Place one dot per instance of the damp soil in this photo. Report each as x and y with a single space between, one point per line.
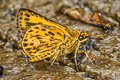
105 54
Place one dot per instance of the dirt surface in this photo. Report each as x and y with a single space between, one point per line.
105 54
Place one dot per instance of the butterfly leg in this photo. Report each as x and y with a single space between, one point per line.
75 55
87 55
54 57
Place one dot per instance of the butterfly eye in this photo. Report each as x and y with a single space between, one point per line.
80 37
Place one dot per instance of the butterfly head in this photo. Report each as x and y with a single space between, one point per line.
85 39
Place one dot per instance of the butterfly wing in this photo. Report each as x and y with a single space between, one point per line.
41 42
27 18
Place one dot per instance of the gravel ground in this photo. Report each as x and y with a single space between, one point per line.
106 46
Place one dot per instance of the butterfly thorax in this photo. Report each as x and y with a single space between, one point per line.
76 37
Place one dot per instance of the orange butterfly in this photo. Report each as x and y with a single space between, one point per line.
43 38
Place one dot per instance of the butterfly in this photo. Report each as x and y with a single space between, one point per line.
43 38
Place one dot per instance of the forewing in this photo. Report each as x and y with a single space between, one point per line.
27 18
42 41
